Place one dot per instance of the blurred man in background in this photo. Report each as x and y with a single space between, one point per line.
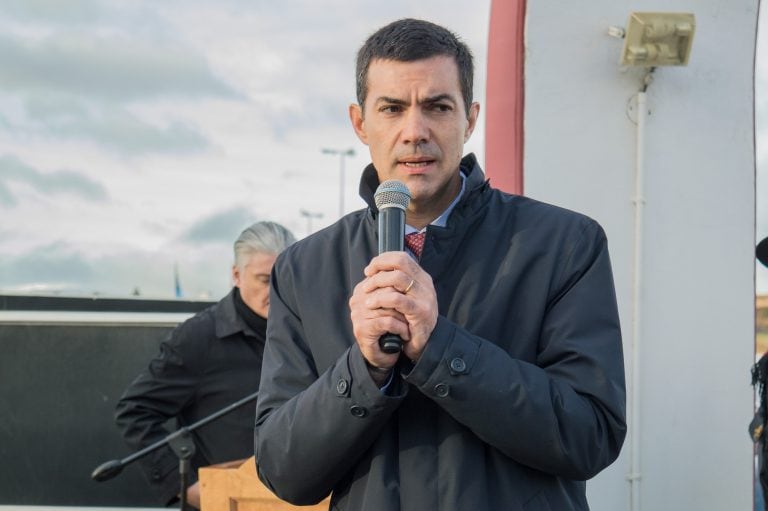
208 362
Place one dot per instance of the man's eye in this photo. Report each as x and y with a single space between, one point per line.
440 107
391 109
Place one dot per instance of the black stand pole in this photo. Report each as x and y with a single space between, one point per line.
182 444
179 441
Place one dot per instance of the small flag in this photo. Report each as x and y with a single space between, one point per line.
176 280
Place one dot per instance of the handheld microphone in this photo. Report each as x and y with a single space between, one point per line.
392 198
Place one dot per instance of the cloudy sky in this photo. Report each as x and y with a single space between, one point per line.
138 136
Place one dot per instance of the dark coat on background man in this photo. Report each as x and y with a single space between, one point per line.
208 362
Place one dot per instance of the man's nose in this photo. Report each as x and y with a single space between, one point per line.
415 128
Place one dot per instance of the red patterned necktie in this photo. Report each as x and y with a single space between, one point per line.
415 242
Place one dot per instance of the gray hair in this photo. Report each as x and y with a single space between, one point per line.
261 237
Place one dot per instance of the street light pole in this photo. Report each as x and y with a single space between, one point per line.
342 153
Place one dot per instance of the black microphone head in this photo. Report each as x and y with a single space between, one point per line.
762 251
107 470
392 193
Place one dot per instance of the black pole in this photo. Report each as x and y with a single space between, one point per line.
182 444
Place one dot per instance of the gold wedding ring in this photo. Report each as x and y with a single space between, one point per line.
409 287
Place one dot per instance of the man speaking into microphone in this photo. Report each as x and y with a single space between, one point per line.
508 389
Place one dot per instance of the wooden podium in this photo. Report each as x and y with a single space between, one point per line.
239 489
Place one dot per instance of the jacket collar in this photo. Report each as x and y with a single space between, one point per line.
228 322
476 182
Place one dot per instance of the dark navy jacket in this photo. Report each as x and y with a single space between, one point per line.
517 399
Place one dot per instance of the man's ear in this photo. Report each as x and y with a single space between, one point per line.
474 112
358 122
235 275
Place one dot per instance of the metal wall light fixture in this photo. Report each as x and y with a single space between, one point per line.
656 39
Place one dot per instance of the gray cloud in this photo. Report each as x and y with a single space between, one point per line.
71 11
107 68
61 269
75 86
6 197
65 117
55 107
4 123
51 265
58 182
221 227
331 113
129 135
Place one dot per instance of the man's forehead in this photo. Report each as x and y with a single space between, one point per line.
435 76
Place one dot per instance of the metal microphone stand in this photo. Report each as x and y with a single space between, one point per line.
181 444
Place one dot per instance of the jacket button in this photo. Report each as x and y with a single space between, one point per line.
341 387
156 474
358 411
458 365
441 389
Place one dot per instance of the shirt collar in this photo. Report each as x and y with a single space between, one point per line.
442 220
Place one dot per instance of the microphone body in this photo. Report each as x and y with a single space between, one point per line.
391 230
392 198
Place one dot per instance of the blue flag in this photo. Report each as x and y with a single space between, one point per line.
176 280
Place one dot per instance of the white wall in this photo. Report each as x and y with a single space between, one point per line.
696 342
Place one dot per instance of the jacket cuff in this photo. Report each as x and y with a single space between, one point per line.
363 386
450 353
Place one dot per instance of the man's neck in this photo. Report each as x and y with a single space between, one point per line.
417 221
420 217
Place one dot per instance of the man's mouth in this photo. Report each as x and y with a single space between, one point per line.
417 163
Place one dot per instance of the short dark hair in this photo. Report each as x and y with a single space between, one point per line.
407 40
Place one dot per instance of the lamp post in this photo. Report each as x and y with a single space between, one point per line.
342 153
309 216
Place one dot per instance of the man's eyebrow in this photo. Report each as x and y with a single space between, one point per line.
426 101
438 99
391 101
